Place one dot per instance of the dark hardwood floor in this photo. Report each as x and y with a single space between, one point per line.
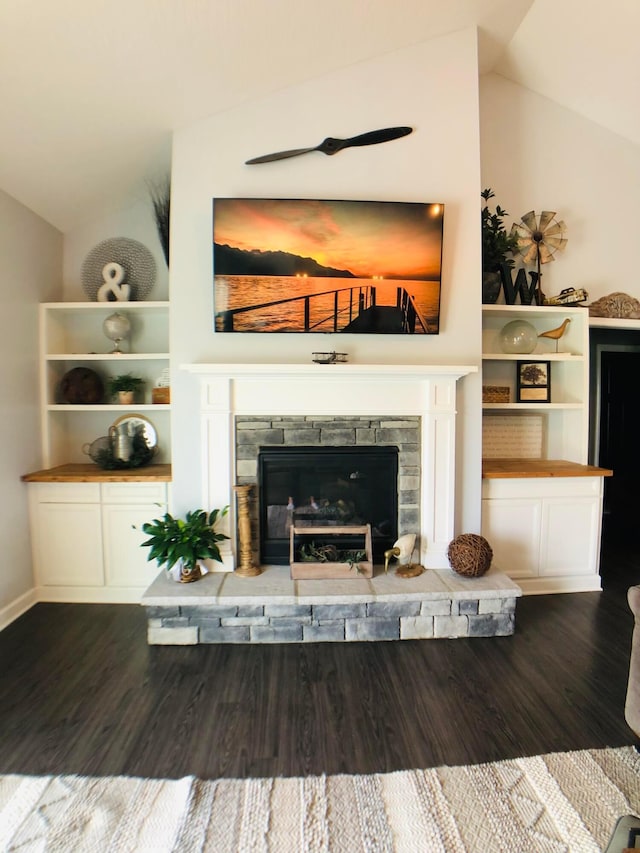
83 693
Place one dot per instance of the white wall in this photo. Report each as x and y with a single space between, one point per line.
431 86
538 156
31 252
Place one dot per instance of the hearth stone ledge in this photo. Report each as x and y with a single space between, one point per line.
272 608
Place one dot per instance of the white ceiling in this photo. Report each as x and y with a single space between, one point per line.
91 91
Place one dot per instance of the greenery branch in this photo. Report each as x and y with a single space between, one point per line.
160 192
312 553
497 242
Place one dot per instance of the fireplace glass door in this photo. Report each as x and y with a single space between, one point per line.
326 486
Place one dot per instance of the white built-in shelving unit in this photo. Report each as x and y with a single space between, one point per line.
566 417
543 523
71 335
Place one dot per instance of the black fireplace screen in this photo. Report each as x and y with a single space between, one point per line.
332 486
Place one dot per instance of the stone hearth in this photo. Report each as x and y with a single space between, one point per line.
272 608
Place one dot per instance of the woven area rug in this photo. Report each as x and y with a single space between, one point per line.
558 802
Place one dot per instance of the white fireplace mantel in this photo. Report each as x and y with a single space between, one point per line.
322 390
344 368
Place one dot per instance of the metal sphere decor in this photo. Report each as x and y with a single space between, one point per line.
470 555
137 262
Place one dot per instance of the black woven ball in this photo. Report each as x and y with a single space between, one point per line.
470 555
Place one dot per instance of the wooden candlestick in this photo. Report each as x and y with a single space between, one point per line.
246 569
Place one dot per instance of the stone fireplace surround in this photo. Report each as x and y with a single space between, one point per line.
272 608
293 431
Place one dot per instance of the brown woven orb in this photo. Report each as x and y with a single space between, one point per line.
81 385
470 555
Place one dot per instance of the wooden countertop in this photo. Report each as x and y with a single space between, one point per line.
512 468
87 472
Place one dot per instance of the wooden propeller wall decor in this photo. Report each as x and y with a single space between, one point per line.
332 146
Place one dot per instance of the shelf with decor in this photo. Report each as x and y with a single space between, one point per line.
73 336
555 427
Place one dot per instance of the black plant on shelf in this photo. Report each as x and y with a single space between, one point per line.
497 242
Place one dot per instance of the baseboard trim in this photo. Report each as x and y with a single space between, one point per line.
16 608
89 594
552 586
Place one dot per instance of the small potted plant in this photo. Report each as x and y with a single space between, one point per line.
497 245
124 387
185 541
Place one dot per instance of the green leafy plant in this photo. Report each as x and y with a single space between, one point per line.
497 242
188 539
124 382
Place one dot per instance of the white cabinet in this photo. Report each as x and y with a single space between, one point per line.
545 533
570 536
86 539
66 533
512 527
125 508
541 503
71 335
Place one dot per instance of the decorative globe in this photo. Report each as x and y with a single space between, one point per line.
116 327
518 336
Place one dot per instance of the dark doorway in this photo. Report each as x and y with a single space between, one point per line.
615 442
326 486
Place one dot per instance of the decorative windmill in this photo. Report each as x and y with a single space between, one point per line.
539 239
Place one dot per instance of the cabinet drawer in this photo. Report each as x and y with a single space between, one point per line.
540 487
134 493
75 493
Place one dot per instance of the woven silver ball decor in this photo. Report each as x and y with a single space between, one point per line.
137 261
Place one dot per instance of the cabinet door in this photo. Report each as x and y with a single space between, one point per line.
512 528
67 544
570 536
125 560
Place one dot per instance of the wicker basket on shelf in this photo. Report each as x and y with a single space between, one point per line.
495 393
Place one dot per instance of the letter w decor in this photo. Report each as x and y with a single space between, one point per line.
528 293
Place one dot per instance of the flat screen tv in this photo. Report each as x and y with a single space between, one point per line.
302 265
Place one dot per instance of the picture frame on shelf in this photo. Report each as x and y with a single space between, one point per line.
533 382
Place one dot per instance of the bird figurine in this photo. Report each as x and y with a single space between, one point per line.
557 333
403 549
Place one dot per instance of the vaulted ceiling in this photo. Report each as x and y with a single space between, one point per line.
91 91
